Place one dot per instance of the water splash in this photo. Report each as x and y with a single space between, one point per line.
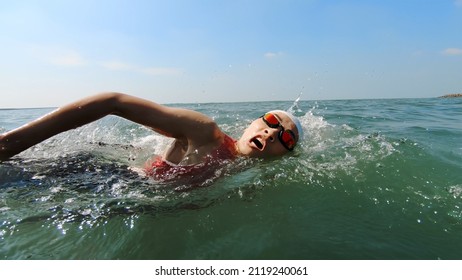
294 109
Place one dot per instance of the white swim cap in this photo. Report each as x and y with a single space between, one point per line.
295 120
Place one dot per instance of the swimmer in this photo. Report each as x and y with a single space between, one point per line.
196 136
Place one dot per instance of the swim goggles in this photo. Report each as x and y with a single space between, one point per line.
285 136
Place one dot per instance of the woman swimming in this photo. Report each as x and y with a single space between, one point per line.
197 138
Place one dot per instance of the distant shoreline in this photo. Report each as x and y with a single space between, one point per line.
451 95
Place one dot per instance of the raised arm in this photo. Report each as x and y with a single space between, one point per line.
175 122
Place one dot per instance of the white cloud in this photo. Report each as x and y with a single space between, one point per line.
458 3
56 55
68 58
270 55
452 51
61 56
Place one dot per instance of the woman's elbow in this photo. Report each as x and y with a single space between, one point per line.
111 100
110 96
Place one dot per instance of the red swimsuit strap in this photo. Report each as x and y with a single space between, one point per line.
160 169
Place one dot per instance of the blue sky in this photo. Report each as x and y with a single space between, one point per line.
53 52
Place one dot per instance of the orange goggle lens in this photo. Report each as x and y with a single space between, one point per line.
286 137
271 120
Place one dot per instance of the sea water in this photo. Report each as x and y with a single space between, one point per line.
373 179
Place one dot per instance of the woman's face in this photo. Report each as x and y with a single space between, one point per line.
260 140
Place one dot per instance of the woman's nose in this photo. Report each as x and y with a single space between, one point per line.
271 134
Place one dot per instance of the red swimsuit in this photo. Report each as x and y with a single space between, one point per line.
162 170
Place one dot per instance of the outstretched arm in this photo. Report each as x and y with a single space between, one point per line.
182 124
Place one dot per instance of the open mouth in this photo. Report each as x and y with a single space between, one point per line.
257 143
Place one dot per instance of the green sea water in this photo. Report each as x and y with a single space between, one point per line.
373 179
